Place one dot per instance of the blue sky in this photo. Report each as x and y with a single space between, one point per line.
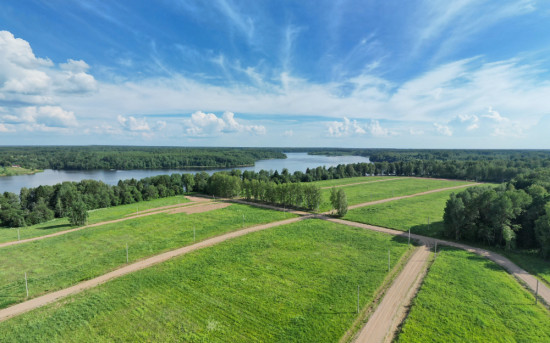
403 74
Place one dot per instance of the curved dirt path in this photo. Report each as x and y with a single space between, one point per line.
20 308
381 201
389 313
156 210
527 279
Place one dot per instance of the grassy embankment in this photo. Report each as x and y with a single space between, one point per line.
95 216
358 194
467 298
59 262
295 283
13 171
413 214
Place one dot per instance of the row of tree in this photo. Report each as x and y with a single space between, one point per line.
73 199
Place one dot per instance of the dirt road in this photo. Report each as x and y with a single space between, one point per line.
519 273
390 312
54 296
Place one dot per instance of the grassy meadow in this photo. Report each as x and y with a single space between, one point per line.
350 180
413 214
358 194
467 298
59 262
405 214
95 216
294 283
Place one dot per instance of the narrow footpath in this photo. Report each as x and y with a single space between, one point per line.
146 263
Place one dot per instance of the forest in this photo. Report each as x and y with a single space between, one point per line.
131 157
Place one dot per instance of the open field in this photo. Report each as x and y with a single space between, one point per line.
95 216
294 283
351 180
413 214
358 194
466 298
405 214
59 262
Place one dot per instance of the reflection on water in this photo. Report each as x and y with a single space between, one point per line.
293 162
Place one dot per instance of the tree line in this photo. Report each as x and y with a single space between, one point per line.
514 214
124 158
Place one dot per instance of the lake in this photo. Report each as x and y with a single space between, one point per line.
293 162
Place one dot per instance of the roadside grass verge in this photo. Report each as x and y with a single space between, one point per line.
382 190
95 216
293 283
62 261
467 298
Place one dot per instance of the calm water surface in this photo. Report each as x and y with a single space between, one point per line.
293 162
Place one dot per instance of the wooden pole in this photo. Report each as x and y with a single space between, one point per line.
537 293
26 285
126 252
357 298
389 263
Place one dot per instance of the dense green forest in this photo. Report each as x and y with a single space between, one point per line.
123 158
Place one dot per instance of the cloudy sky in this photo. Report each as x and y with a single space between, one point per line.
373 73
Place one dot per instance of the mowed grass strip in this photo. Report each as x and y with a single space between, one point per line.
467 298
358 194
62 261
95 216
294 283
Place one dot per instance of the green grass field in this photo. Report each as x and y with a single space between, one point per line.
95 216
347 181
59 262
467 298
382 190
295 283
413 214
405 214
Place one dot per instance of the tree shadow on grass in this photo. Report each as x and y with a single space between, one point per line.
434 229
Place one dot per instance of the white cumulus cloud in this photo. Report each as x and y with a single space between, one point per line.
344 128
208 124
443 129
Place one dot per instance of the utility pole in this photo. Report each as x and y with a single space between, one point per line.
389 263
537 293
26 285
357 298
18 235
409 236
